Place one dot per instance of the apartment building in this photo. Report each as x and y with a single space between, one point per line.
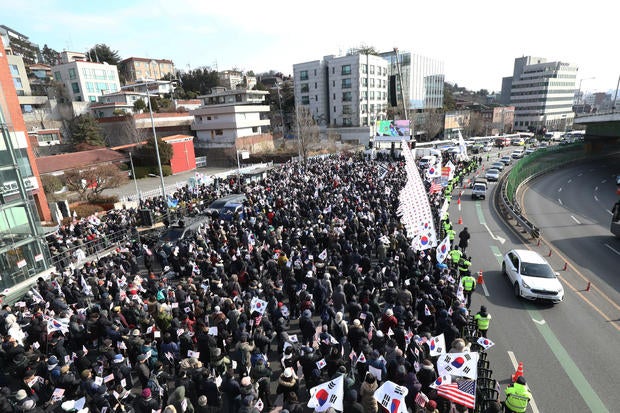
344 91
20 45
227 115
86 81
136 68
542 93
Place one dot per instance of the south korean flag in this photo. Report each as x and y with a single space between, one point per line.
437 345
392 397
326 395
458 364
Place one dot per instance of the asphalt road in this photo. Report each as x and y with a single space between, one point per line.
566 349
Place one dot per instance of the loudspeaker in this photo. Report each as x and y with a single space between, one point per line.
146 216
392 90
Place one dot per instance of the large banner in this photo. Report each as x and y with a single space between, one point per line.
393 128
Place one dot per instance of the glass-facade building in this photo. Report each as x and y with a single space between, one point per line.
23 252
422 80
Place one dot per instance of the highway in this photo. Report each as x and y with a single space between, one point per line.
566 349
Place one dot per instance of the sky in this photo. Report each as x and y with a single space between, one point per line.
477 40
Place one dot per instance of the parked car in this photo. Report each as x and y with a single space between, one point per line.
492 174
227 207
529 151
507 160
531 276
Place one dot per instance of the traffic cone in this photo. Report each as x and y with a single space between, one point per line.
480 278
460 220
518 373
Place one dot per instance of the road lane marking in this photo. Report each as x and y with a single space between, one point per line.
576 220
612 248
539 322
515 364
570 180
560 201
580 173
560 189
596 188
603 181
581 294
595 198
568 365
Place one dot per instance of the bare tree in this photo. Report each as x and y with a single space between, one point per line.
308 132
90 183
433 123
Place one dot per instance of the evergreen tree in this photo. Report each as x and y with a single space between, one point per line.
85 130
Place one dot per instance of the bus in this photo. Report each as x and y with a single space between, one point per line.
615 220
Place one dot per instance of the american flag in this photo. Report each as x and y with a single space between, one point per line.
421 399
435 187
462 392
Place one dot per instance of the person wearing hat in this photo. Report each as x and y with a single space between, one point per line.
53 369
517 396
146 403
287 384
24 402
68 381
307 327
142 369
482 319
356 334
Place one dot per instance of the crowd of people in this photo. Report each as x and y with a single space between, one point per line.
249 311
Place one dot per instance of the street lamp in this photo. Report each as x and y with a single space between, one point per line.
161 175
133 174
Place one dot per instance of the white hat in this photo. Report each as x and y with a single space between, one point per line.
288 372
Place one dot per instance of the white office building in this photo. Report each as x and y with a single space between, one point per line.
542 93
87 81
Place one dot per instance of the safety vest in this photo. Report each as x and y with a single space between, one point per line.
452 234
464 264
517 397
483 322
468 283
455 256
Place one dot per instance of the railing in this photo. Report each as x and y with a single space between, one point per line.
92 249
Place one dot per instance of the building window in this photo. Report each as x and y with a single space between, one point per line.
314 72
305 100
364 95
316 86
346 70
346 83
75 87
14 70
303 75
347 97
372 82
18 83
219 132
346 122
305 88
316 98
254 129
372 69
346 109
364 82
57 76
364 69
372 95
72 75
92 98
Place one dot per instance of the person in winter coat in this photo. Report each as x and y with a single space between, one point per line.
179 401
339 327
367 391
145 403
426 375
307 327
287 383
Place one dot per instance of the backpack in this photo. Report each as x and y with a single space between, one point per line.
154 385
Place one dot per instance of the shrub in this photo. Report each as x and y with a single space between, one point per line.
86 210
105 199
141 171
51 184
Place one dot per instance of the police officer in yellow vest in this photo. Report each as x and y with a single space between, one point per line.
482 319
451 233
468 282
455 256
517 396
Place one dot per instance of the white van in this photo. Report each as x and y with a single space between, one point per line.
427 161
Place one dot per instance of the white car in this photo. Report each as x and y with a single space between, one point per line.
531 276
492 174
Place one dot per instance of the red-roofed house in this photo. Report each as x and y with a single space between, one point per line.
57 164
